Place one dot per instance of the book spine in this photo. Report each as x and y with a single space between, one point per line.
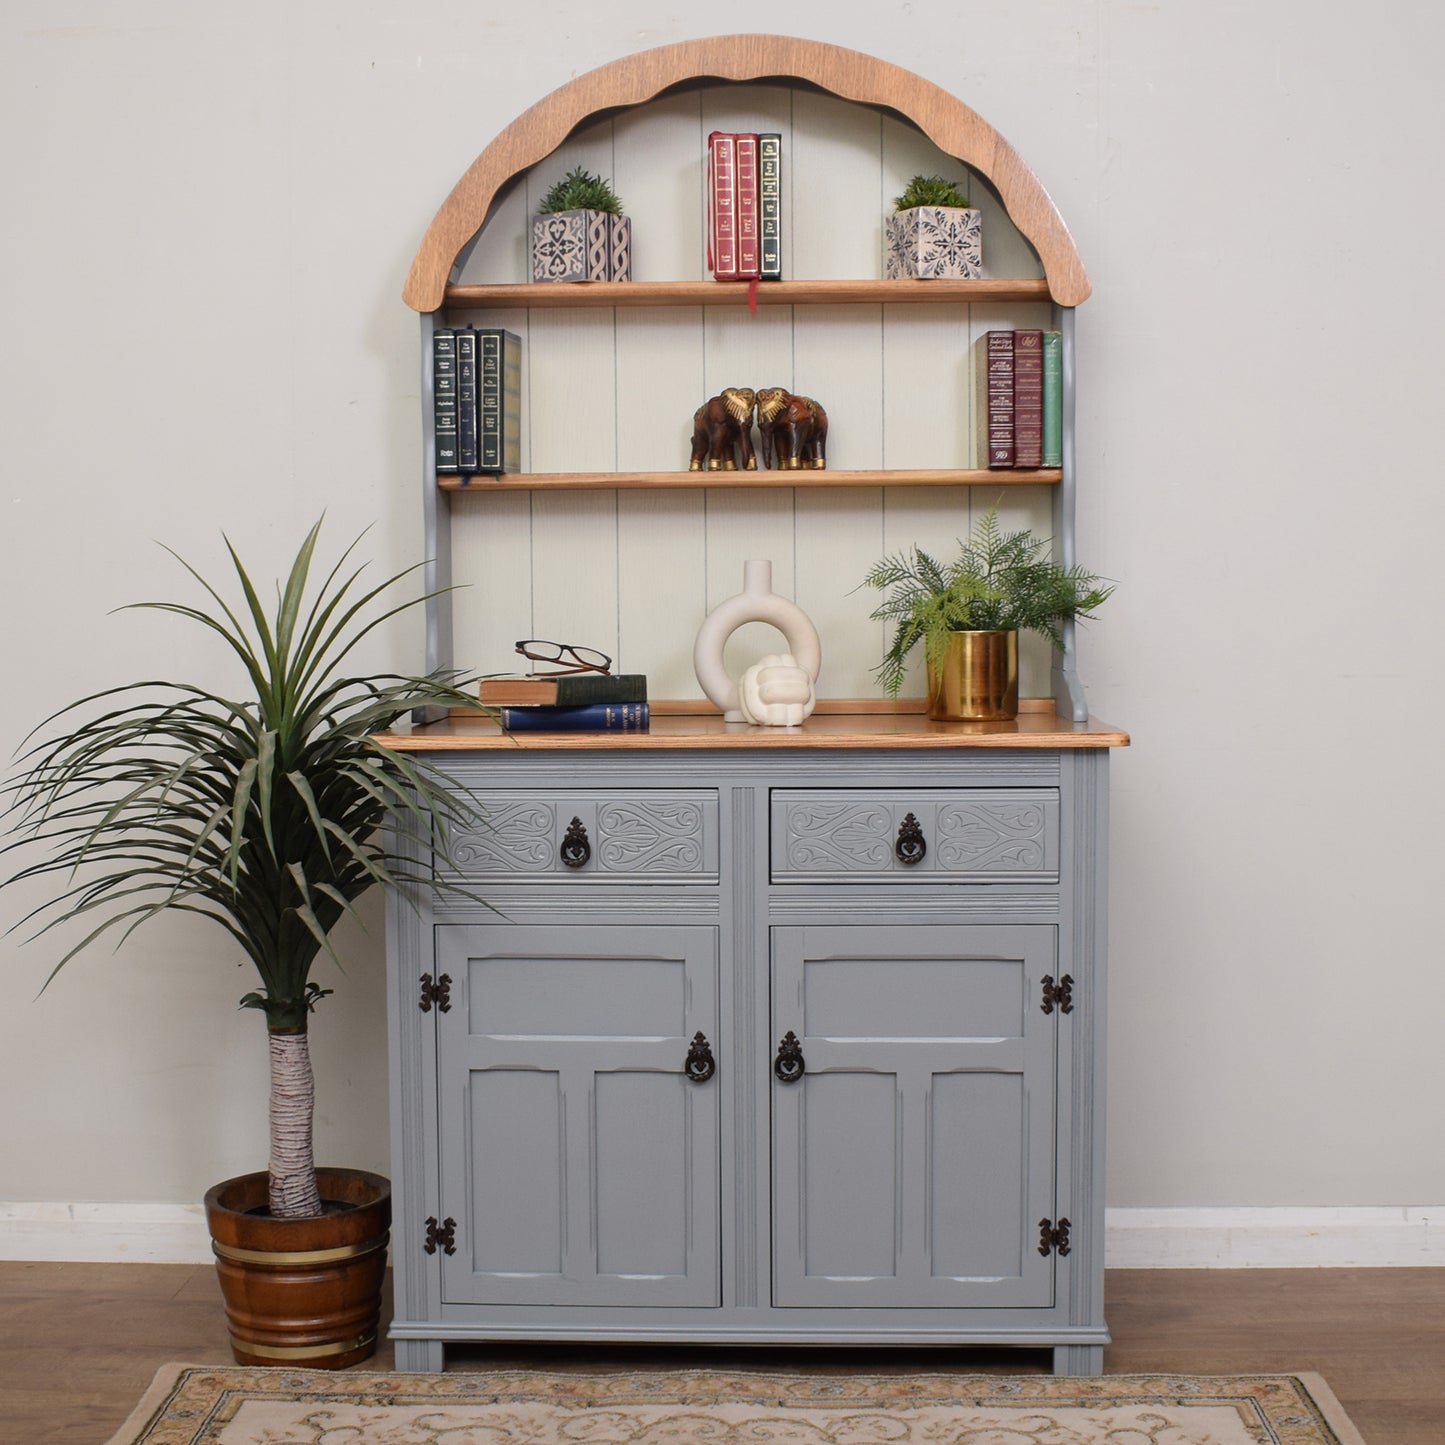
1053 445
1000 363
1028 399
770 207
580 688
444 392
747 206
489 387
467 416
598 717
511 402
722 239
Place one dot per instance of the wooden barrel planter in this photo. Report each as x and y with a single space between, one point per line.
302 1291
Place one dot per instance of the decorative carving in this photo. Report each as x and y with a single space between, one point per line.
700 1065
649 837
839 836
514 838
999 837
575 850
789 1065
722 431
910 847
793 430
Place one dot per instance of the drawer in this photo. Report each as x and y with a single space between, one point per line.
651 835
836 835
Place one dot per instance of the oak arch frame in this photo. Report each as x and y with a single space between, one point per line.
850 75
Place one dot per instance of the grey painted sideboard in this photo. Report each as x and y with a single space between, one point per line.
764 1036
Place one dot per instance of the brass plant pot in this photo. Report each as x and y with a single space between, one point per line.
977 679
303 1292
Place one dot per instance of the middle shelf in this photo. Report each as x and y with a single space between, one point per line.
598 481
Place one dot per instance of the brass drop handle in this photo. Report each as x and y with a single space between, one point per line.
910 847
575 849
700 1065
789 1065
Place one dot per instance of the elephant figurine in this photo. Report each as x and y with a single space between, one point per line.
793 429
722 429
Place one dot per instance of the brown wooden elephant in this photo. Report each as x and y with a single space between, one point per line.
793 430
722 431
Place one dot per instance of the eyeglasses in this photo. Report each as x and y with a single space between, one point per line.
570 658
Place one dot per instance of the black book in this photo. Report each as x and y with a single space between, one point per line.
770 206
499 389
467 413
444 390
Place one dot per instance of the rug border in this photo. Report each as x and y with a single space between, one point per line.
168 1377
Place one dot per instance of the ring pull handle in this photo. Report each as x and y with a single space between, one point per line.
789 1065
575 849
700 1065
910 847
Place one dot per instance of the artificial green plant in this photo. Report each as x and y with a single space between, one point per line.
930 191
580 190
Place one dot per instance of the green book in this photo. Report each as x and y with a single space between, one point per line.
1053 399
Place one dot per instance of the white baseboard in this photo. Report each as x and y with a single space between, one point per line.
1134 1238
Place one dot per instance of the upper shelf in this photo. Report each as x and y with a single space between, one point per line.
848 74
735 293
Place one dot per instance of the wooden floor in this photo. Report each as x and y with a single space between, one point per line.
79 1343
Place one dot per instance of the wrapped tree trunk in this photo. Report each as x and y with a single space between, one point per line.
293 1190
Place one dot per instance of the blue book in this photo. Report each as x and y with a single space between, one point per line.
594 717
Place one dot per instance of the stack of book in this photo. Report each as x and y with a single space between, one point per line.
478 388
1021 375
569 702
745 206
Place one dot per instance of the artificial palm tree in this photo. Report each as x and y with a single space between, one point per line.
263 813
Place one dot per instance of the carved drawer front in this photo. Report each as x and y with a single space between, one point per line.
927 835
656 835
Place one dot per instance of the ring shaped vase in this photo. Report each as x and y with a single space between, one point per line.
757 602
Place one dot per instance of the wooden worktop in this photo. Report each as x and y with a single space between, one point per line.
669 731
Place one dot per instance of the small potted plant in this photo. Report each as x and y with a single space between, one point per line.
968 614
580 233
260 808
932 233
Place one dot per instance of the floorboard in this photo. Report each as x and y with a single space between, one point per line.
80 1342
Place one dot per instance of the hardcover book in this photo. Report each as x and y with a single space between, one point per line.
1053 447
573 689
745 206
722 234
466 399
770 207
1028 399
499 386
999 378
444 389
597 717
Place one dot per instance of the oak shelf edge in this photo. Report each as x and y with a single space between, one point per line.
609 481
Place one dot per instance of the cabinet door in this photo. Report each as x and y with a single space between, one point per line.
914 1158
579 1160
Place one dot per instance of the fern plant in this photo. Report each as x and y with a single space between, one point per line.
929 191
999 582
580 190
260 810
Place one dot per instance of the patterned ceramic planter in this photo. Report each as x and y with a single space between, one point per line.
581 246
928 242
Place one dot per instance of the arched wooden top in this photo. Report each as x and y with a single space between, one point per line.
848 74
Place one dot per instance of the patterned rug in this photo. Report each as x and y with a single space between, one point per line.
190 1405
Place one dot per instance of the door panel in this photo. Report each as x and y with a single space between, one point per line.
913 1160
580 1163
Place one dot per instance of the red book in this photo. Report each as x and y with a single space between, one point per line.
999 358
722 232
1028 398
746 207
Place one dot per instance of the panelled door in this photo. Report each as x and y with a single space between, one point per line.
578 1114
913 1115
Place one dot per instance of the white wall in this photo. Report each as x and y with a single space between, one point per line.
208 217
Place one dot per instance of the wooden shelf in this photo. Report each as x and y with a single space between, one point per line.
602 481
735 293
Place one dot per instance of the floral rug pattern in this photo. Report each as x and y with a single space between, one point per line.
190 1405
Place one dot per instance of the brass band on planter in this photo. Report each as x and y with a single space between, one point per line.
297 1352
297 1256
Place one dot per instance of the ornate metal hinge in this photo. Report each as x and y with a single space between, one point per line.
443 1235
438 993
1053 1236
1060 994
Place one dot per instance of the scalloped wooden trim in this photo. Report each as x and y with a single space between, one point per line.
848 74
